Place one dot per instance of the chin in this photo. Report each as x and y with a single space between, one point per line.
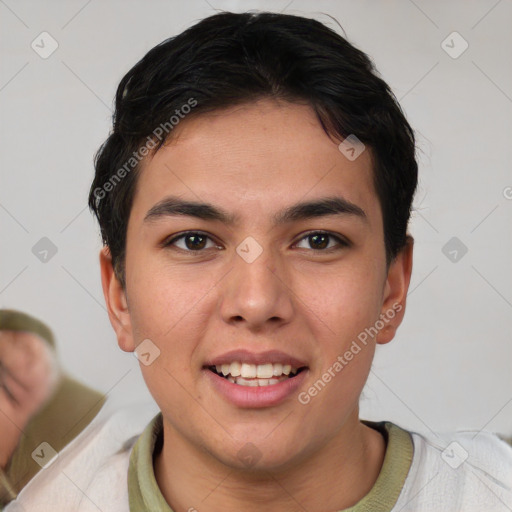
254 457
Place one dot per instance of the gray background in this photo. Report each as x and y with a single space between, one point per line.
450 365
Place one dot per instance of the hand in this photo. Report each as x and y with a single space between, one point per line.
28 377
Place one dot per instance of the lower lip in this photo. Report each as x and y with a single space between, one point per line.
256 396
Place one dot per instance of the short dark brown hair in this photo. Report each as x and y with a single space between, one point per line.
229 59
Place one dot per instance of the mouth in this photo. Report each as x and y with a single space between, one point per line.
256 375
250 380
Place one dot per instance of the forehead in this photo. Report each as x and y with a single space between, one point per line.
23 338
258 156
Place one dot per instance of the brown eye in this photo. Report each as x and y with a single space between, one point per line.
195 242
191 241
319 240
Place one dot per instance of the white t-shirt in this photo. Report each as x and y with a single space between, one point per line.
460 472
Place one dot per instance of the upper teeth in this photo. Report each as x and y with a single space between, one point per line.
251 371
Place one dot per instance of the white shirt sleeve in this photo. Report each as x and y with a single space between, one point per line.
466 472
71 483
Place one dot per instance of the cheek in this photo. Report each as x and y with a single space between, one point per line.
165 298
170 307
333 394
342 303
341 307
336 384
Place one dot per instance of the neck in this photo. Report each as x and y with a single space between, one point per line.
335 477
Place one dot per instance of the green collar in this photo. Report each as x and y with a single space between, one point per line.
145 496
143 491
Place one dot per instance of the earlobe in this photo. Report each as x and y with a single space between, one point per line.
395 292
115 300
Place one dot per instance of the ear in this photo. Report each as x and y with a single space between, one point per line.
117 305
395 292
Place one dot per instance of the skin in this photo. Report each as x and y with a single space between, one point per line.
28 377
253 161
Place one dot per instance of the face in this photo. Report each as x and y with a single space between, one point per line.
283 265
29 374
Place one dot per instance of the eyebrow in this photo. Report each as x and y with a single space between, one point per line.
175 206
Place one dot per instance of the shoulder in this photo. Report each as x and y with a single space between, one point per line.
108 489
470 471
70 481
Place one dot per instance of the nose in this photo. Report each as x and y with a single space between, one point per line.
257 293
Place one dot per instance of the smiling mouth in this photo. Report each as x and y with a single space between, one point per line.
252 375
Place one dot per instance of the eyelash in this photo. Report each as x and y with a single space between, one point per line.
342 243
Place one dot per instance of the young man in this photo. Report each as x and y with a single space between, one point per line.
253 199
